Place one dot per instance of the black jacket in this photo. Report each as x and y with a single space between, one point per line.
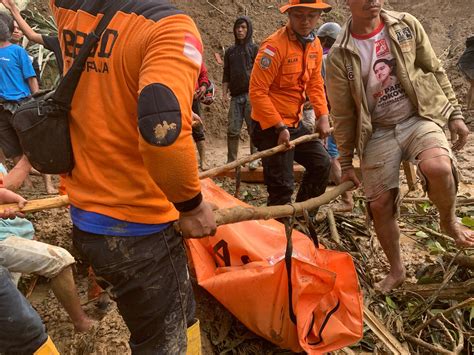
238 61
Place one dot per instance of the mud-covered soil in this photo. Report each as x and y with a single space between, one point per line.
447 23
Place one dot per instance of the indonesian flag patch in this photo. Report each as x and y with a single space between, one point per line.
270 51
193 49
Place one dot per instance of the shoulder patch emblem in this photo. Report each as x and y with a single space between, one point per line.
265 62
404 34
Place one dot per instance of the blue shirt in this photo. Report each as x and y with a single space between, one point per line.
15 70
97 223
19 227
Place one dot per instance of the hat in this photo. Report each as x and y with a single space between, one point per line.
313 4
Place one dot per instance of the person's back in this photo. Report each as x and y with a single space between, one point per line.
110 176
136 170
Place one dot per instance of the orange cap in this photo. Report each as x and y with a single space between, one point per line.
313 4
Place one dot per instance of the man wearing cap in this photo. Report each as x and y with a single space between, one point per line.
287 68
394 122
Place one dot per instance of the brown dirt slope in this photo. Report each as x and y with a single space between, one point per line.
447 23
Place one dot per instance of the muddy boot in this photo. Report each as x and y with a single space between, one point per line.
47 348
194 339
201 146
232 149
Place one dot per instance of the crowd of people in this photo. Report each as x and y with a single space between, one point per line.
377 80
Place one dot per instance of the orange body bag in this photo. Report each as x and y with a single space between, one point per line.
246 267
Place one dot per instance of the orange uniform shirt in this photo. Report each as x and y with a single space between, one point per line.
283 74
131 113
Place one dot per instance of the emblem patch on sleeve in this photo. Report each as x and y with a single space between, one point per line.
265 62
159 115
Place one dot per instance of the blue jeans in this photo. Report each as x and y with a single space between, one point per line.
240 111
21 328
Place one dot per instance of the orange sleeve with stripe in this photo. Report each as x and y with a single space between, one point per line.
315 88
171 62
264 73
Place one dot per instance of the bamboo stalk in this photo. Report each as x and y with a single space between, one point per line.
38 205
223 216
263 154
383 333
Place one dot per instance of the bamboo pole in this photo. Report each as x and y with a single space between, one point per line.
37 205
263 154
223 216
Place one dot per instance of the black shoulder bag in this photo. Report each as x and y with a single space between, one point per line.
42 124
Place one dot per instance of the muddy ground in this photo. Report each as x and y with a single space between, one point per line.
447 23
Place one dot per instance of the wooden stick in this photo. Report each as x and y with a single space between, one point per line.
333 227
258 155
223 216
453 291
38 205
465 304
383 333
461 260
239 214
424 344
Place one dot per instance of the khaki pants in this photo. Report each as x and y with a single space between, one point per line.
389 146
25 256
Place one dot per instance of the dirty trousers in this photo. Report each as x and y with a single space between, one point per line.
148 278
21 329
278 168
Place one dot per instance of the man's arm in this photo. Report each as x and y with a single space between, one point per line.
342 110
317 96
427 60
165 119
31 34
7 196
225 91
203 82
264 72
15 177
33 84
226 77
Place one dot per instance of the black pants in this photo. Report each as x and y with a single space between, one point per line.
148 277
9 141
198 131
278 169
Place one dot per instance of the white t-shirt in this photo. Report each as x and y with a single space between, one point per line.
387 100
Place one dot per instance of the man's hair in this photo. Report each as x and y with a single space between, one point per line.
239 22
392 63
8 20
4 32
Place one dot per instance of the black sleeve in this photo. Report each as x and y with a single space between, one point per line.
52 43
254 52
226 75
37 70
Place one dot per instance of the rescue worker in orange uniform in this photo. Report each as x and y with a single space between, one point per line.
287 68
135 170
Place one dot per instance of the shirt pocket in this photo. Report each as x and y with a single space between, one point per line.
289 75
